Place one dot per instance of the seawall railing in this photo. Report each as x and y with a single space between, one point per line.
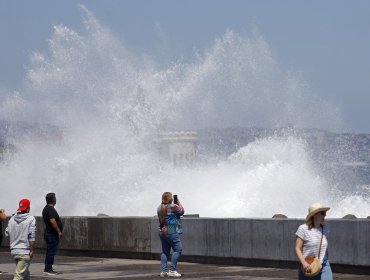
250 242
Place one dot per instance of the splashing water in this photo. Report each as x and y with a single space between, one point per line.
107 101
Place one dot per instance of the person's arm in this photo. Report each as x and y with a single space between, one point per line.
54 225
32 236
178 209
2 215
6 232
298 251
32 246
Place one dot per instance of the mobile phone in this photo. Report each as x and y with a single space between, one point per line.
175 199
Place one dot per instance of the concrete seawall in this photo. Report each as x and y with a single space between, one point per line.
255 242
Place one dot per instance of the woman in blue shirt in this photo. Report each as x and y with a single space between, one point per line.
169 232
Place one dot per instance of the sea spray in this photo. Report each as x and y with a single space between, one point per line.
107 103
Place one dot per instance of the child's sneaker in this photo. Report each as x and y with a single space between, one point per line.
173 274
163 274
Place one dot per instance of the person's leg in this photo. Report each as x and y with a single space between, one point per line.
1 239
177 250
1 234
166 249
22 264
326 273
51 249
300 274
16 260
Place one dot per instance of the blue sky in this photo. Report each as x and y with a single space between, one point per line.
326 42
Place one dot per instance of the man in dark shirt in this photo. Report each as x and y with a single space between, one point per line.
53 232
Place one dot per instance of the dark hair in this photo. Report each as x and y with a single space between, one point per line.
50 198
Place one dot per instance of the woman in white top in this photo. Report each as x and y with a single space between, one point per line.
311 240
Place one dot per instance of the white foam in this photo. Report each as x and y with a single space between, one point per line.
107 101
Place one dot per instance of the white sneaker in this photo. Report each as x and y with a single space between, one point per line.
173 274
163 274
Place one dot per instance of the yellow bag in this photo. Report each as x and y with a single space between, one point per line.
314 262
315 266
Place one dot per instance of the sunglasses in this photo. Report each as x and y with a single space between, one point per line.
323 213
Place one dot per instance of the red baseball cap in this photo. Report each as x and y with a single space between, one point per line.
23 205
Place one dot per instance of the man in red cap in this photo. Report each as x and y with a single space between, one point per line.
22 233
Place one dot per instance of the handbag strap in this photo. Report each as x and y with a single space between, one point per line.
322 235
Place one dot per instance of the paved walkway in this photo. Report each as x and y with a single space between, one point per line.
103 268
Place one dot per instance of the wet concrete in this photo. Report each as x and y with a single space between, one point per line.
111 268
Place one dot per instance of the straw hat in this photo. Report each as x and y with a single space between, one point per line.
314 209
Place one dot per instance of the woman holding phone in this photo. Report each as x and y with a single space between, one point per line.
169 214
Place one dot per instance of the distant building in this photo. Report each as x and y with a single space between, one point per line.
180 147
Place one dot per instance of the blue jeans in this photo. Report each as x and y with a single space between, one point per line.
52 242
170 241
325 273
